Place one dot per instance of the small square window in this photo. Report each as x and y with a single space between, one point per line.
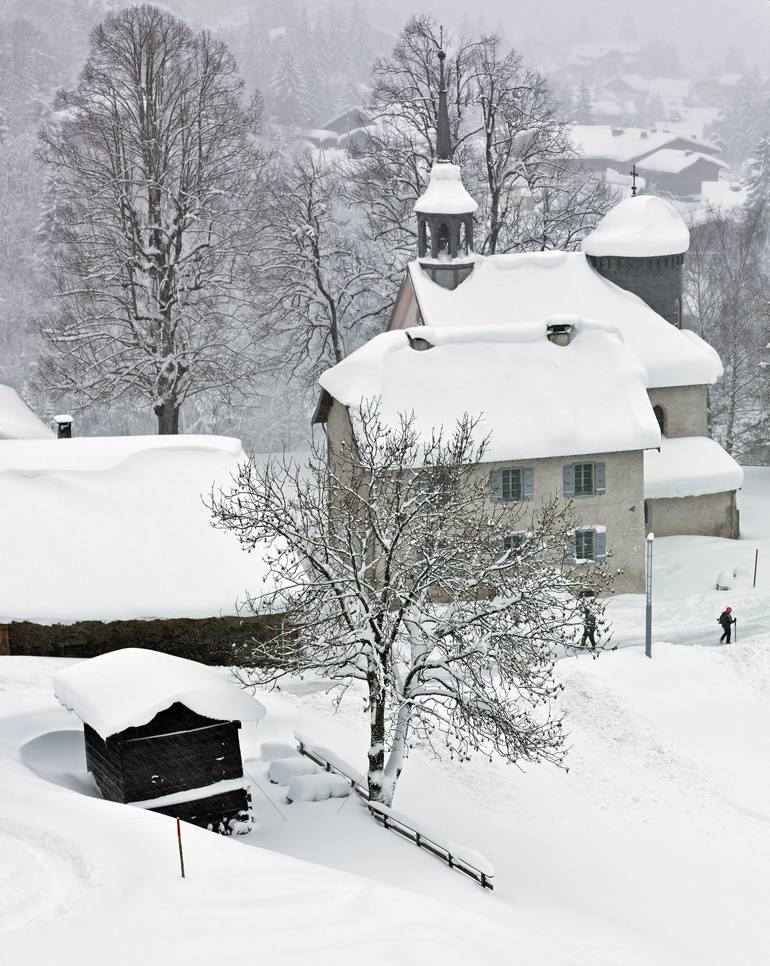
514 541
584 479
585 544
512 485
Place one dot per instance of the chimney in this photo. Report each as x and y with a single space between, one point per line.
560 333
63 426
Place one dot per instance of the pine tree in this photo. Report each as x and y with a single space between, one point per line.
757 179
583 108
288 93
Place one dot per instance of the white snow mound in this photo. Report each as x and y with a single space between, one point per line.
283 770
689 466
317 788
640 227
445 194
17 421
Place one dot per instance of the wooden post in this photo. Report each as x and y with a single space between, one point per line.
756 561
5 639
179 840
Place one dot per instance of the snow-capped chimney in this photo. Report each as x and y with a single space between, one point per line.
63 426
560 333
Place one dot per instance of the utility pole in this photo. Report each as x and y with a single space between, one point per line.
648 595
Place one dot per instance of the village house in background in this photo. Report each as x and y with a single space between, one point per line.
160 733
576 361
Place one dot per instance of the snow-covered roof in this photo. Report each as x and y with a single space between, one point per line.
673 161
639 227
723 194
445 193
689 466
515 289
115 528
624 144
537 399
127 688
17 421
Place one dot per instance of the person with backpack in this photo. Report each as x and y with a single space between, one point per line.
589 627
727 620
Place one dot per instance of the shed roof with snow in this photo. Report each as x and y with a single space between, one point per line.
689 466
672 161
115 528
128 688
639 227
17 421
515 289
507 373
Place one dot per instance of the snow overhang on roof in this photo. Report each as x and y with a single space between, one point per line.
127 688
17 421
672 161
445 194
517 289
689 466
535 399
640 227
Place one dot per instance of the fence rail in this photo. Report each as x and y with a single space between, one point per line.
398 824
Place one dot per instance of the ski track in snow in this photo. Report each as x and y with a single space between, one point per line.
42 875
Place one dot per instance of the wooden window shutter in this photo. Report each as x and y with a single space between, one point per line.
600 544
570 552
569 479
496 485
600 476
528 484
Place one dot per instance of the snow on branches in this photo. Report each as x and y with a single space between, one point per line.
394 569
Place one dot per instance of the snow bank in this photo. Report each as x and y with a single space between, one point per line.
516 289
639 227
283 770
445 193
689 466
507 373
317 788
114 528
17 421
272 750
127 688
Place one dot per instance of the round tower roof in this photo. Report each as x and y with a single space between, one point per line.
445 194
641 227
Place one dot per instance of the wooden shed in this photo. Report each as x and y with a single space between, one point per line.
161 732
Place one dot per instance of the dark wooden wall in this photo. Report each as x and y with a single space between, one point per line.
215 811
176 751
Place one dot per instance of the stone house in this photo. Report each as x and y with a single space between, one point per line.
578 361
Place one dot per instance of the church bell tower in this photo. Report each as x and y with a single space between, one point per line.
445 210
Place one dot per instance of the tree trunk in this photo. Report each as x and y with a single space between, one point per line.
168 418
376 752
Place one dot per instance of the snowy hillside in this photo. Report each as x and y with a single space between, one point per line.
653 848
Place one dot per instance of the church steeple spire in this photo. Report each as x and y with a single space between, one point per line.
445 209
443 139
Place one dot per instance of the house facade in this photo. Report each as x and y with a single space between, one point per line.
589 386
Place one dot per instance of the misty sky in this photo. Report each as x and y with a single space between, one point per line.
705 31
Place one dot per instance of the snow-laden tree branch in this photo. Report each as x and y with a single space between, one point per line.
394 569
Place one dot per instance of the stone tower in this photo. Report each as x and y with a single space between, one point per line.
640 245
445 210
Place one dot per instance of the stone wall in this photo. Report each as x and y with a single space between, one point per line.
684 408
711 515
657 281
620 509
214 640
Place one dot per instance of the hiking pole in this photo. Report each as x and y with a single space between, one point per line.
756 561
179 840
735 625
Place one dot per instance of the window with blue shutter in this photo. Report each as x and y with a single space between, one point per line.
587 544
569 552
511 485
569 479
600 477
584 479
496 486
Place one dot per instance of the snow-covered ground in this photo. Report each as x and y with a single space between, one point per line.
653 848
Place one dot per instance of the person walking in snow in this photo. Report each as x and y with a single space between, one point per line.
727 620
589 627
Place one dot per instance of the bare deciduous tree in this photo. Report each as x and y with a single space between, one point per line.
152 167
394 571
321 295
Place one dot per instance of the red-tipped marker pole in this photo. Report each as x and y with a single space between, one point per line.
179 840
